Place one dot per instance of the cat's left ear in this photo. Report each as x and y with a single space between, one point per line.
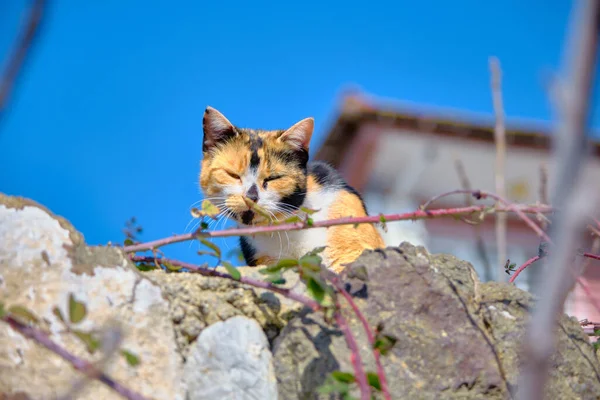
216 128
298 136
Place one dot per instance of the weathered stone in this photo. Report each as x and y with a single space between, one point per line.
43 260
457 338
230 360
197 301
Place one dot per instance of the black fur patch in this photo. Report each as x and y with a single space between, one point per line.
296 198
326 175
255 144
248 251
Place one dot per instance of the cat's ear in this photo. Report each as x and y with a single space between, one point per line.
216 128
298 136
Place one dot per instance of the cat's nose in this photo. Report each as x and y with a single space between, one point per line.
252 193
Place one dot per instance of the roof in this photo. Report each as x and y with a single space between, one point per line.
356 111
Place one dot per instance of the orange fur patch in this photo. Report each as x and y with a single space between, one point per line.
345 243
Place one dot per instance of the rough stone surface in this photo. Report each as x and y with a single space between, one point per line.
42 260
457 338
197 301
231 360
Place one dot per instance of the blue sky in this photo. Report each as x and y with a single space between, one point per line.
106 122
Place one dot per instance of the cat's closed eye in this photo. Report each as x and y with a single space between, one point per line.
270 178
232 174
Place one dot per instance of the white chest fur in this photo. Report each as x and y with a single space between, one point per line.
294 244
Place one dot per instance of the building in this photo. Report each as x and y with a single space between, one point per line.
399 158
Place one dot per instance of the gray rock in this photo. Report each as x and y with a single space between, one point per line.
196 302
458 338
230 360
42 260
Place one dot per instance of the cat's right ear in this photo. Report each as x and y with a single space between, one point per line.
216 128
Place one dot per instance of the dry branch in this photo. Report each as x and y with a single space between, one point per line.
569 150
17 60
500 140
79 364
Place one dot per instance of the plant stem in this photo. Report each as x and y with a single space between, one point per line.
359 372
369 332
522 268
81 365
248 281
420 214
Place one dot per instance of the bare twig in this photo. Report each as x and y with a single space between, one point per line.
83 366
355 358
249 281
16 61
368 331
522 268
500 140
420 214
480 244
543 194
590 255
570 136
480 194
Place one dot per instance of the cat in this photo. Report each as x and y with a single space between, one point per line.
272 169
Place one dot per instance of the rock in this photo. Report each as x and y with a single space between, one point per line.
197 301
458 338
43 260
231 360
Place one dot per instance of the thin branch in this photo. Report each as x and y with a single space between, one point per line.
248 281
481 194
368 331
416 215
80 365
480 244
22 49
522 268
355 359
590 255
570 143
500 169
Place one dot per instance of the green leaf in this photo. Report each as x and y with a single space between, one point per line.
312 262
292 219
275 279
345 377
334 387
383 222
308 211
316 250
128 242
77 310
284 263
24 314
2 310
309 221
88 339
209 209
56 311
315 289
212 246
207 253
373 380
132 359
384 343
145 267
171 267
233 271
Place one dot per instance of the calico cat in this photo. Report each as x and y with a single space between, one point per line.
271 168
